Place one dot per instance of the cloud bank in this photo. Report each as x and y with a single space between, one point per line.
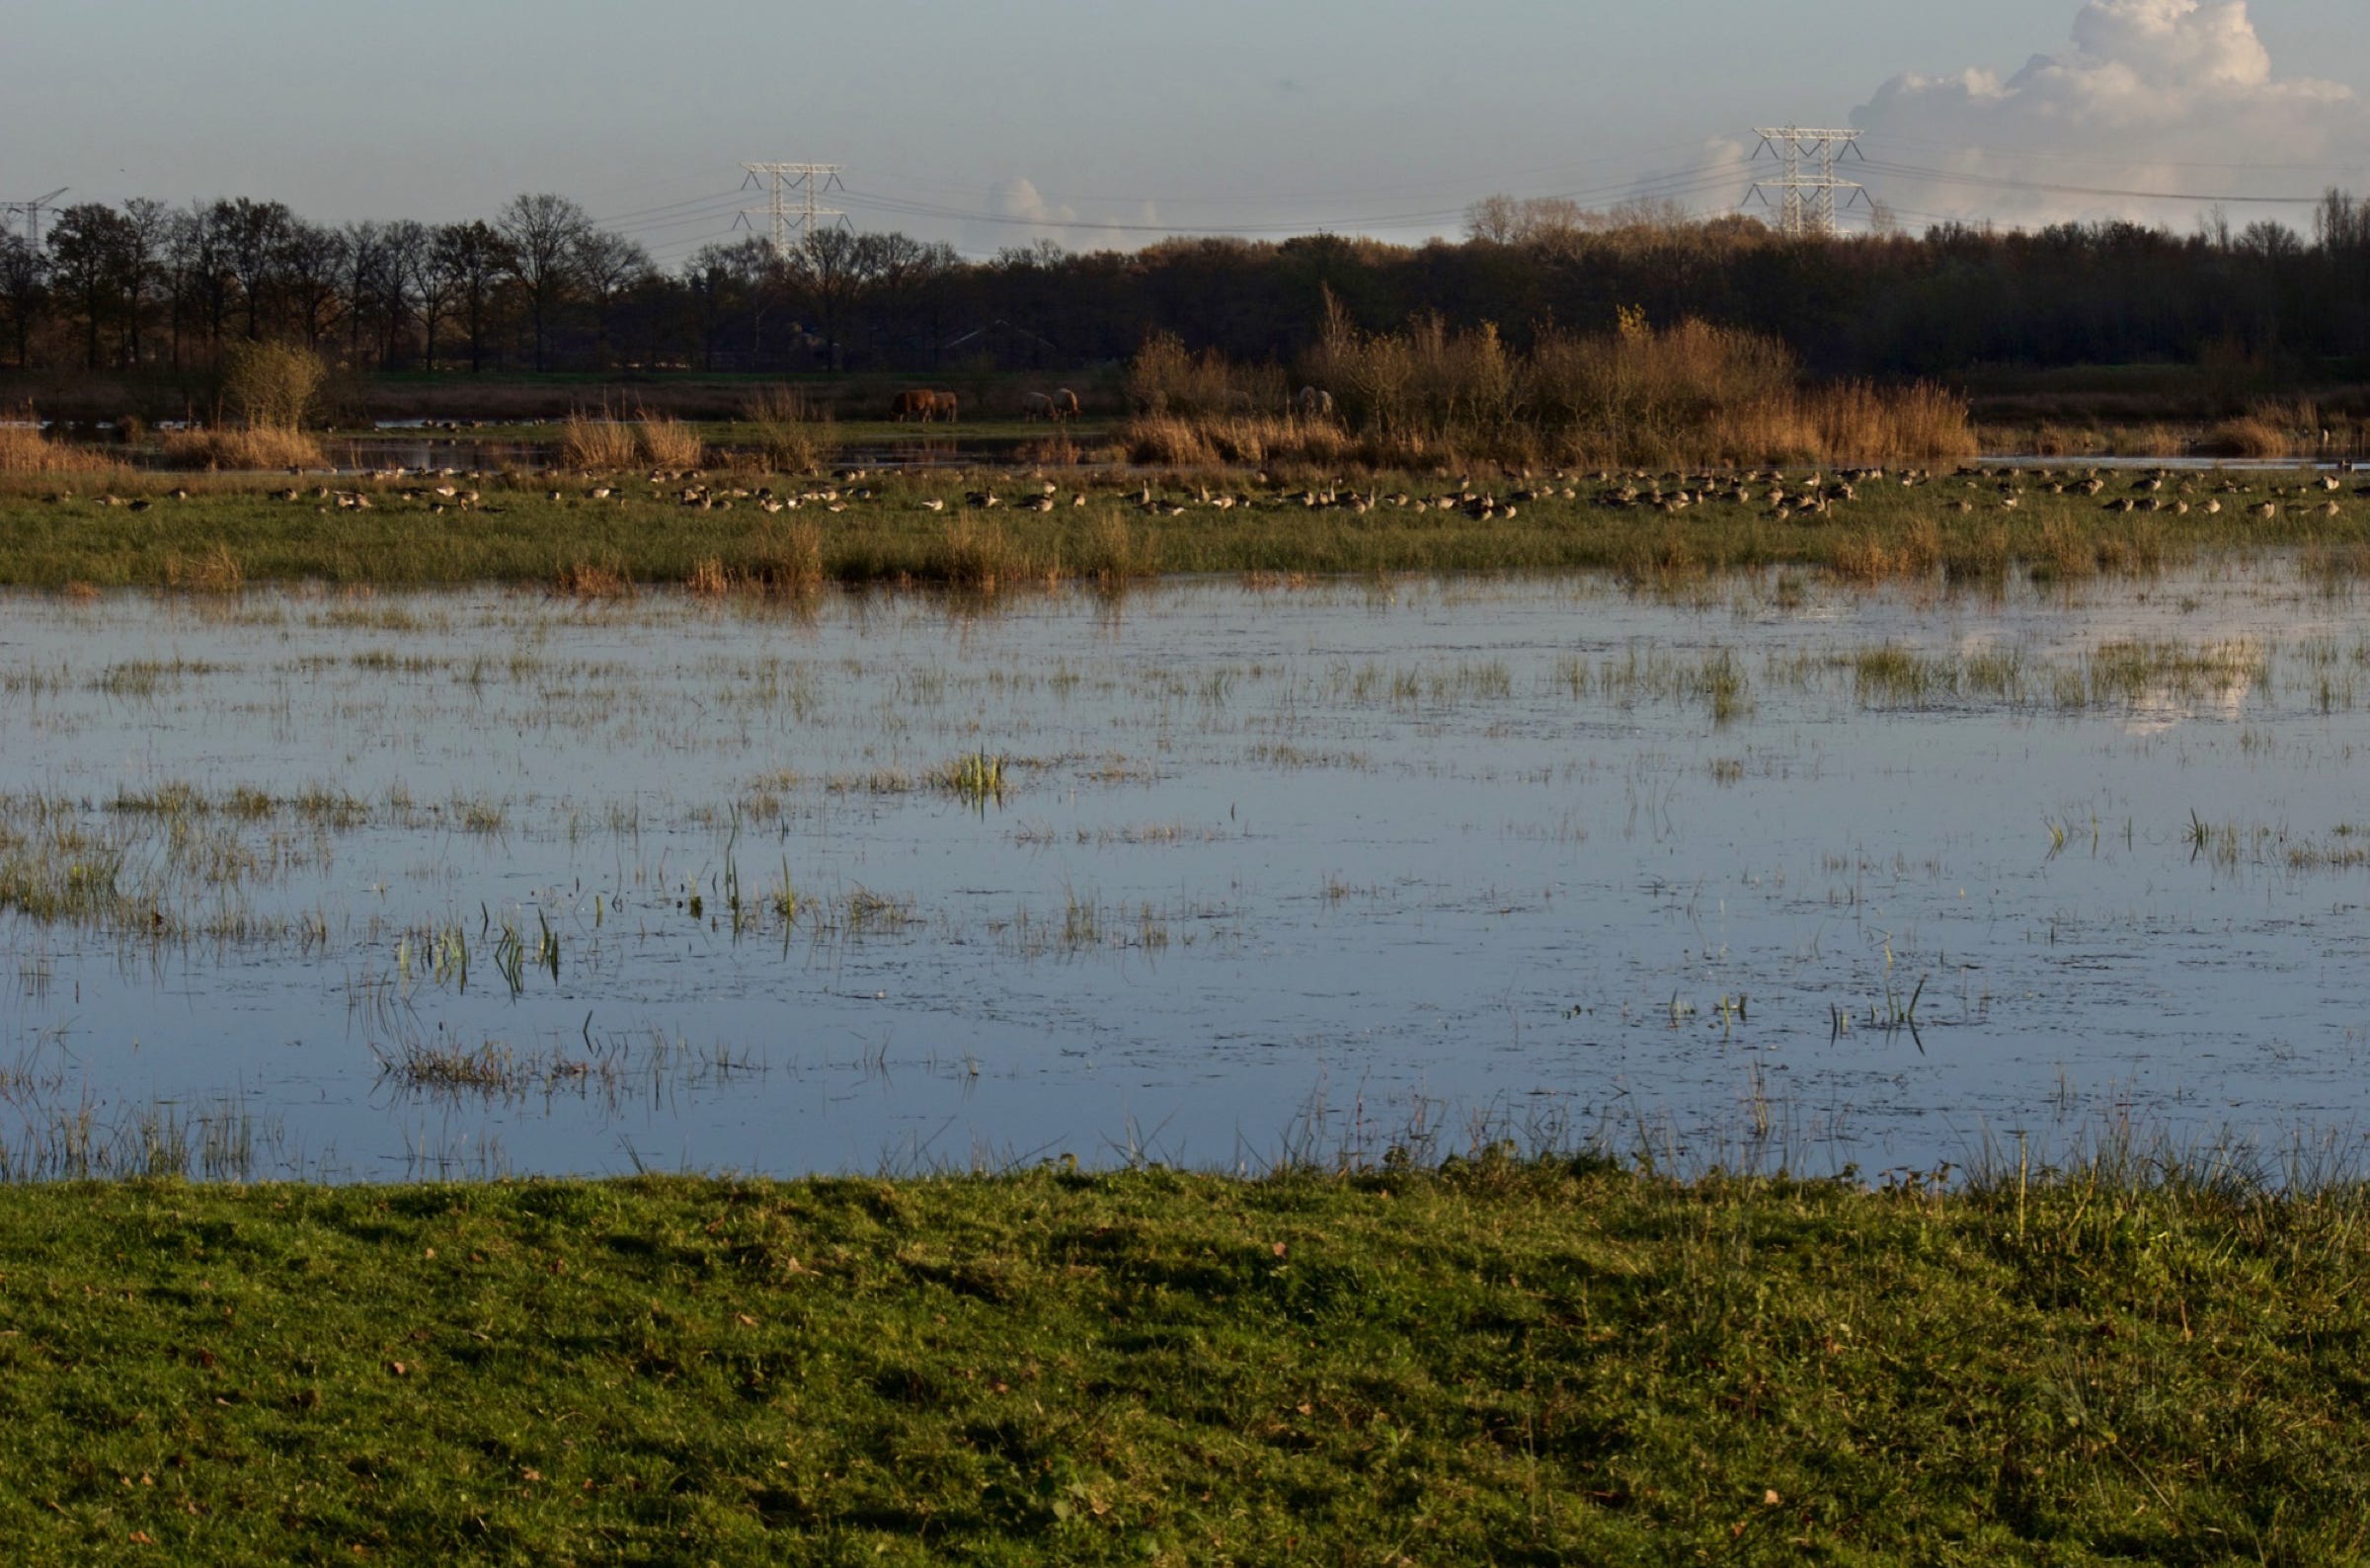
2175 96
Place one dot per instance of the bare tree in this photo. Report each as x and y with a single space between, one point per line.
831 270
151 234
544 232
91 249
405 276
200 259
314 267
366 286
472 259
255 238
608 265
24 279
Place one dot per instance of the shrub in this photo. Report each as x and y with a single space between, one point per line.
1690 393
272 386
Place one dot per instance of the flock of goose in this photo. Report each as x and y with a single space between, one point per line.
1774 493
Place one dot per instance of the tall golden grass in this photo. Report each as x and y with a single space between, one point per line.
1167 378
604 442
597 444
217 571
234 448
2249 435
1207 440
1693 393
25 448
791 434
594 579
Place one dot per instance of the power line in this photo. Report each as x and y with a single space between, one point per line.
810 180
2115 163
31 212
1807 201
2051 188
1686 182
1446 183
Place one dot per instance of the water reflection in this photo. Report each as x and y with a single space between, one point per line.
369 886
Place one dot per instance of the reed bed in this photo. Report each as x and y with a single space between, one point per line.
1693 393
605 443
25 448
789 431
243 447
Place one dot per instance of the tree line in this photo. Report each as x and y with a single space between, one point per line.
150 286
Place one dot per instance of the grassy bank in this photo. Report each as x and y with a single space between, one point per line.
1503 1361
132 529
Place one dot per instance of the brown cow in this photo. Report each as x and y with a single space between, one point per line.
949 408
914 404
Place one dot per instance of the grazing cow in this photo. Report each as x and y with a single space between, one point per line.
914 404
1316 403
949 407
1066 404
1036 406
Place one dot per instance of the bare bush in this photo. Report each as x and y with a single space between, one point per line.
272 386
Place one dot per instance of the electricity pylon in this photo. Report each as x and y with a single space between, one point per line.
1807 201
31 212
810 180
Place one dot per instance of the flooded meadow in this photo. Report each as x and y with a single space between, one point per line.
1220 871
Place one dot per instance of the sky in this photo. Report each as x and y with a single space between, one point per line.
987 124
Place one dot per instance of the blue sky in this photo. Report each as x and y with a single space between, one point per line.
986 123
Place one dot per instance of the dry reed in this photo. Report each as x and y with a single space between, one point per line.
975 552
593 580
1694 393
597 445
28 450
248 449
669 442
217 571
604 442
784 563
790 433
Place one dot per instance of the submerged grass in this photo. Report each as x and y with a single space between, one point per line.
1500 1359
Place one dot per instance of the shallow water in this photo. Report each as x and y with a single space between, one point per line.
1271 870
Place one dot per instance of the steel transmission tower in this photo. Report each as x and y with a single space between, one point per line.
31 212
1806 202
810 180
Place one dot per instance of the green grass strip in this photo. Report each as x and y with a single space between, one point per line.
60 531
1505 1362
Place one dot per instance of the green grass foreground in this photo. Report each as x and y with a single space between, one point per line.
1504 1360
58 531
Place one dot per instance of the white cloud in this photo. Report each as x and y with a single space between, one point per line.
1026 217
2152 96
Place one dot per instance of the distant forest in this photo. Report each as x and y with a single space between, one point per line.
147 286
